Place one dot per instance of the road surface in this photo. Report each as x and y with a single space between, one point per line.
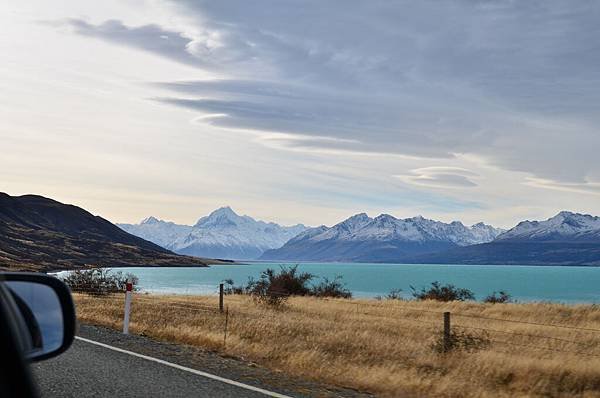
92 370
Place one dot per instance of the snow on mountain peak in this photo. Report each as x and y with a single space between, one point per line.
583 221
150 220
225 213
566 213
485 233
356 220
221 234
223 216
225 210
564 224
383 238
386 227
343 229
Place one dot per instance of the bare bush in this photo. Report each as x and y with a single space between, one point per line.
440 292
274 287
98 281
500 297
331 288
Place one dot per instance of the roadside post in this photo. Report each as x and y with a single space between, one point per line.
225 329
128 294
447 342
221 297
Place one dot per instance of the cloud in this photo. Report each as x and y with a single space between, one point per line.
514 83
585 188
152 38
440 177
324 118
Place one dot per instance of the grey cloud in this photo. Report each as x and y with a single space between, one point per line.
151 38
371 123
516 83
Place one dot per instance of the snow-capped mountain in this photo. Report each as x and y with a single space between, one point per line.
383 238
221 234
565 239
163 233
563 226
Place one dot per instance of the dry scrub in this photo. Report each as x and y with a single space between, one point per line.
384 347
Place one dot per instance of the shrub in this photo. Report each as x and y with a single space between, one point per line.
500 297
98 281
443 293
273 287
394 294
331 288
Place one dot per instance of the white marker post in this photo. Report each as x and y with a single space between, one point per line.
128 294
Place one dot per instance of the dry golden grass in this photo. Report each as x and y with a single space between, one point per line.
383 347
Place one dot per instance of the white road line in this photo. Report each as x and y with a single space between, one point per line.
186 369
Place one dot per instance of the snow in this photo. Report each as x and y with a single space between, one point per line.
385 227
564 224
346 228
223 227
158 231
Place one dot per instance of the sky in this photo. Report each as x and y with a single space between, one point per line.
303 111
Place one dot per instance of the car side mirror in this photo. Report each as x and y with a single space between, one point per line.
43 313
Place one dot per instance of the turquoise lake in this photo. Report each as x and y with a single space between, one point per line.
523 283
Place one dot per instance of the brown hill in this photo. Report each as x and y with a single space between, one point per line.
37 233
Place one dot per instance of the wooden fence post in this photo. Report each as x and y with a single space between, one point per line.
128 294
226 323
221 297
447 337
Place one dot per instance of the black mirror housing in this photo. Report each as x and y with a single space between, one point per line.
43 313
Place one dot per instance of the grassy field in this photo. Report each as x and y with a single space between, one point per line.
385 347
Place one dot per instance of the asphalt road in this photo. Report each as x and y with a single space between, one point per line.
89 370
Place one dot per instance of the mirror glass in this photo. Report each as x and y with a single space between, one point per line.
42 312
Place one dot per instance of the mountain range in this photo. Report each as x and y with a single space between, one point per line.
221 234
380 239
37 233
565 239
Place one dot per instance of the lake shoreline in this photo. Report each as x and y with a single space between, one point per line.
571 285
241 262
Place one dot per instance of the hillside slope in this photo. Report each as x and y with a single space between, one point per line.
37 233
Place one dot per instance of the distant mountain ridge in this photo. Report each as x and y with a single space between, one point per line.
564 225
37 233
565 239
221 234
380 239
